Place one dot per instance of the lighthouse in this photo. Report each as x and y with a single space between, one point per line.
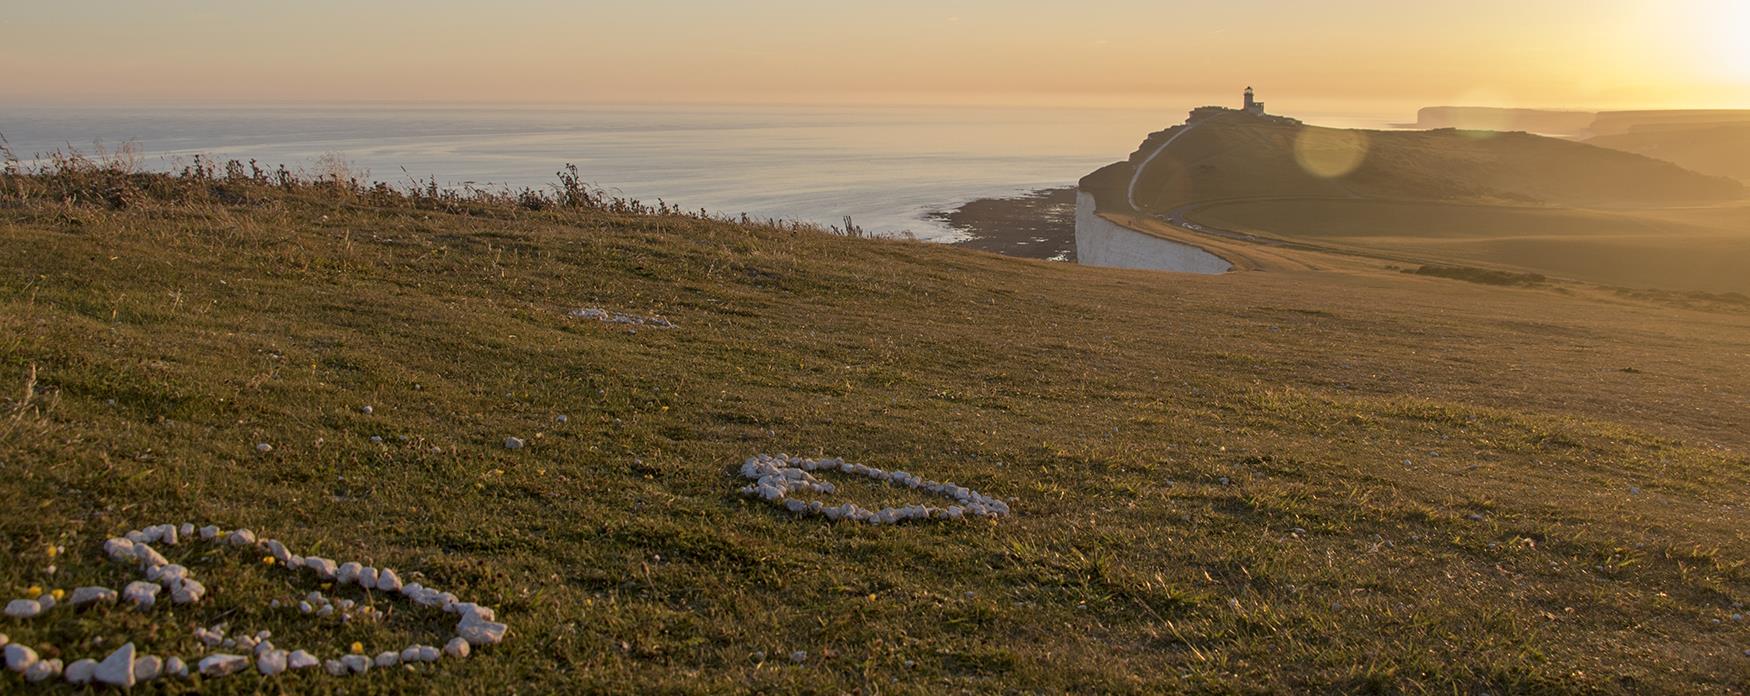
1253 106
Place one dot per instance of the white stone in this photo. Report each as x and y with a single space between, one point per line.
300 659
356 664
241 537
324 568
148 667
186 530
142 594
271 662
388 658
92 595
428 653
168 534
479 633
188 592
513 443
457 648
175 667
118 668
799 657
209 637
209 533
19 657
42 670
278 550
119 548
367 410
388 581
81 671
167 575
367 577
263 448
222 665
149 556
474 612
23 608
348 572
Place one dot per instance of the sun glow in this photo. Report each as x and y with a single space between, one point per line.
1728 40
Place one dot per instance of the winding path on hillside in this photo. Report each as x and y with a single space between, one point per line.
1135 177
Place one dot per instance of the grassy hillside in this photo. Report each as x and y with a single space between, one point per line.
1252 482
1696 249
1617 122
1235 156
1718 149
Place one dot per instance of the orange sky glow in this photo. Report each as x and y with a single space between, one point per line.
1338 54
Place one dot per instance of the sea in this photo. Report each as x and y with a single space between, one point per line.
885 168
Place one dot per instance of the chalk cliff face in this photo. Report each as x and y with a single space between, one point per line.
1101 242
1542 121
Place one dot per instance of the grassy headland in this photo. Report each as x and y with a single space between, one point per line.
1357 480
1513 202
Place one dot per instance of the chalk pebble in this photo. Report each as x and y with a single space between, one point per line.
19 657
42 671
148 667
81 672
142 594
301 659
118 668
92 595
222 665
23 608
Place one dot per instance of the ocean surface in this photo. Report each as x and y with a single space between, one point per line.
886 168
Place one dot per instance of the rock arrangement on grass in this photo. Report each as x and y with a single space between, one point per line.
477 625
777 478
606 316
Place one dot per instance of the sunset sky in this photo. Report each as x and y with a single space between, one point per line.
1331 54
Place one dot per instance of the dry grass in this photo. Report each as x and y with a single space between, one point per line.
1256 482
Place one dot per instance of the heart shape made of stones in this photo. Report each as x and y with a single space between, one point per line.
477 626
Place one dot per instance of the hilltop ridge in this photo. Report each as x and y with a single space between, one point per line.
1238 156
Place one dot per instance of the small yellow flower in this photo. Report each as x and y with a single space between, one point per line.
34 591
497 472
53 551
58 594
358 648
267 560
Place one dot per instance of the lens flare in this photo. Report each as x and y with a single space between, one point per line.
1328 152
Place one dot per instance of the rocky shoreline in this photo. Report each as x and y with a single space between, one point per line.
1036 225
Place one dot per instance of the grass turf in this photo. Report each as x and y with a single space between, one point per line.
1254 482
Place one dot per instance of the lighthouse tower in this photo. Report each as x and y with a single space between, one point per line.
1253 106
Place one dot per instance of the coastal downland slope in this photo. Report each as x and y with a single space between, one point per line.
1367 481
1721 149
1512 201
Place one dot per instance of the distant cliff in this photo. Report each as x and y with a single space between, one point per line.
1547 122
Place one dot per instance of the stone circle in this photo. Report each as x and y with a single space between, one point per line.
776 478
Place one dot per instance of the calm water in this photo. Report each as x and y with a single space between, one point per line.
885 167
